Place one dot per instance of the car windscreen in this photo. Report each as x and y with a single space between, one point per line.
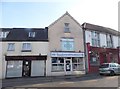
104 66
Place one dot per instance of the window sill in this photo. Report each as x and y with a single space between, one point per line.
58 71
26 51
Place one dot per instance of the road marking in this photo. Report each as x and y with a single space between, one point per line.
90 81
67 82
111 77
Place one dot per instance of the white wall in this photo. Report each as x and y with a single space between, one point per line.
88 37
103 41
37 48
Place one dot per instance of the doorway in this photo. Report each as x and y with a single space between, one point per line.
26 68
68 66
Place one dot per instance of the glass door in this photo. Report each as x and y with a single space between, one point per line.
68 66
26 68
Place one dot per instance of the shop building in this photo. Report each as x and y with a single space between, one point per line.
66 47
24 52
102 46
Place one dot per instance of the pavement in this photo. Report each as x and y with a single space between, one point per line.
29 80
73 80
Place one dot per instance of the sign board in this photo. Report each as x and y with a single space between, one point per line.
67 54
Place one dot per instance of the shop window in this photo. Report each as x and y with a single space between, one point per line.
77 64
26 47
67 44
11 47
57 64
14 69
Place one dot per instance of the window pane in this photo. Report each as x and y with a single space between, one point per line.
68 44
11 47
74 60
54 67
60 67
80 67
60 60
26 46
74 66
54 60
14 69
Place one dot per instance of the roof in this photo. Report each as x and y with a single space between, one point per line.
92 27
22 34
62 17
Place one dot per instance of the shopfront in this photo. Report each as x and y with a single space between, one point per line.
25 66
68 63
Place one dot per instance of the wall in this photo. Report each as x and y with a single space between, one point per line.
56 31
37 48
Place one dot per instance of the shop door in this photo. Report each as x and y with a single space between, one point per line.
26 68
68 66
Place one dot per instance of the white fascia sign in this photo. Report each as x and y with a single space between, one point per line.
67 54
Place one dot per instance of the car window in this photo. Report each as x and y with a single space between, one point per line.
104 66
112 65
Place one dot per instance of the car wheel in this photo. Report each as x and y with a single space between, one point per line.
101 74
112 73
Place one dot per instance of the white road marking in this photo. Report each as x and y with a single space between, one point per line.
90 81
67 82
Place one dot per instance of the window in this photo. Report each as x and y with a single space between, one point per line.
95 39
67 44
94 58
3 34
66 28
11 46
109 41
31 34
57 64
26 47
14 68
77 64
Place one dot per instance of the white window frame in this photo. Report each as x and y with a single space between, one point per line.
11 47
31 34
26 47
109 40
66 28
3 34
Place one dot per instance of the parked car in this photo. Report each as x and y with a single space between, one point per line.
109 68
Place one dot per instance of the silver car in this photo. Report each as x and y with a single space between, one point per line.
109 68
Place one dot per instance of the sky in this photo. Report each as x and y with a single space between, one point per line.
41 13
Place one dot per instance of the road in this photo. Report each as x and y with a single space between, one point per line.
82 81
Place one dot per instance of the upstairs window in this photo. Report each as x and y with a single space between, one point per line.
32 34
26 47
67 44
11 47
109 40
3 34
66 28
95 38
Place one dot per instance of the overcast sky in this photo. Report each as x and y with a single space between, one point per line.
41 13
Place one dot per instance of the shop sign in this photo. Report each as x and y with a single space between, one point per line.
66 54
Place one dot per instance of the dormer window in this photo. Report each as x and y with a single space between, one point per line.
66 28
32 34
3 34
